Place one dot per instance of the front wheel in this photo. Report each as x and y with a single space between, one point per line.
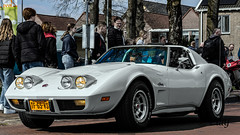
212 107
134 111
34 122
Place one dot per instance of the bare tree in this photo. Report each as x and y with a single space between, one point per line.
212 16
131 19
62 6
140 24
175 21
116 7
109 13
94 12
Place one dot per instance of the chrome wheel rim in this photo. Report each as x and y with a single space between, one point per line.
140 106
216 101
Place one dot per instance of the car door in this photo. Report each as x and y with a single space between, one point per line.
186 82
155 59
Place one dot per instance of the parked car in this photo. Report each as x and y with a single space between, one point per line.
130 83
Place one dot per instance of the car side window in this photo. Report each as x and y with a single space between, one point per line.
180 58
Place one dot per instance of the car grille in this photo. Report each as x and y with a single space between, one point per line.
65 105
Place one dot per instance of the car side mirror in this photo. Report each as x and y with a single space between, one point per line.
94 61
181 62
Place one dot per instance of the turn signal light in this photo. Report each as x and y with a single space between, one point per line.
15 101
79 102
105 99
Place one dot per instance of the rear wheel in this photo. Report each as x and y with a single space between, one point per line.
34 122
212 107
134 111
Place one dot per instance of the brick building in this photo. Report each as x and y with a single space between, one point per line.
57 21
157 23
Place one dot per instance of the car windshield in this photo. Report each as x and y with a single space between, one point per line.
146 55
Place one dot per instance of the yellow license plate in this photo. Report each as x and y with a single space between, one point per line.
39 105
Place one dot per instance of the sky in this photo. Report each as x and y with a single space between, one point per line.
47 6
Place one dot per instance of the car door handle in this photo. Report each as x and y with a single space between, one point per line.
196 67
161 84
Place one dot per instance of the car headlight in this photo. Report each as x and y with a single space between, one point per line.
19 83
28 82
80 82
66 82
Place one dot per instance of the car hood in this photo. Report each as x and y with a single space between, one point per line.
96 69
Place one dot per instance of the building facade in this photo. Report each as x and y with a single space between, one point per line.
229 22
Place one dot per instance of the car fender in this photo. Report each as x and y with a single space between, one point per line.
209 78
127 76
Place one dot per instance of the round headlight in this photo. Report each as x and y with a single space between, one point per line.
66 82
19 83
28 82
80 82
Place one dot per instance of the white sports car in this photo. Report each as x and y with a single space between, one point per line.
130 83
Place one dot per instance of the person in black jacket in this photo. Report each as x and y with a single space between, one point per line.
99 46
51 49
115 34
7 61
69 48
30 41
216 53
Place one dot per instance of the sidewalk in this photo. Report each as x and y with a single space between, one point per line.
234 97
9 119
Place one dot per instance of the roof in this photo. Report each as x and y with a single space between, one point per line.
159 21
156 21
82 19
159 8
57 21
224 4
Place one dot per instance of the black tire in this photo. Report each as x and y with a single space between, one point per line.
212 107
34 122
134 110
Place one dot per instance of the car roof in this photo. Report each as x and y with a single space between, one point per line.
197 57
149 45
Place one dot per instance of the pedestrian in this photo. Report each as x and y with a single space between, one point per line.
229 54
239 53
140 40
162 40
7 62
213 50
115 34
69 47
130 41
192 46
99 44
51 49
30 45
200 49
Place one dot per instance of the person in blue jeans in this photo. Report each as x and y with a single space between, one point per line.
7 61
69 48
31 42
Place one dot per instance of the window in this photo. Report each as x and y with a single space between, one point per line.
156 36
180 58
224 23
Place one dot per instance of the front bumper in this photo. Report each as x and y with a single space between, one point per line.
66 106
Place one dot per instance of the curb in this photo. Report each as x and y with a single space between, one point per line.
234 97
